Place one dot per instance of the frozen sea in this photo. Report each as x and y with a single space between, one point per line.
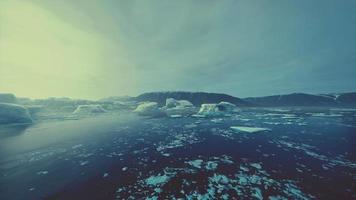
255 154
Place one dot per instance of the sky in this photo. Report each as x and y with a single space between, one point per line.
91 49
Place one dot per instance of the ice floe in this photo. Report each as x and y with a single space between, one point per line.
157 180
248 129
248 181
196 163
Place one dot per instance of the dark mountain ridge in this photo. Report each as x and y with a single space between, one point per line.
303 99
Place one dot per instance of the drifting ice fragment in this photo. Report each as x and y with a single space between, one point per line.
248 129
196 163
175 116
42 172
157 180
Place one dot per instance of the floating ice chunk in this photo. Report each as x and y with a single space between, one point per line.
42 172
157 180
105 175
278 197
196 163
248 129
124 169
283 116
214 110
326 115
211 165
158 190
82 163
257 193
198 116
178 107
175 116
13 113
226 159
152 198
171 103
210 110
88 110
219 178
149 109
245 169
256 165
219 120
227 107
77 146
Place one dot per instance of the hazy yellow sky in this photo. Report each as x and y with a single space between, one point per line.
98 48
42 55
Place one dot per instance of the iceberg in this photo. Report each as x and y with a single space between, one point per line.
227 107
171 103
178 107
220 109
148 109
13 113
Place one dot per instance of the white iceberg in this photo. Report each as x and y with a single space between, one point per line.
248 129
171 103
88 110
220 109
148 109
13 113
178 107
227 107
209 110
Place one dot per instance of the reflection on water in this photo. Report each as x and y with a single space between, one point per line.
290 154
12 130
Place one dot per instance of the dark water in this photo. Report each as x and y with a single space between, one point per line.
305 154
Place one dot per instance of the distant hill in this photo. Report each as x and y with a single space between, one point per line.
302 99
346 99
197 98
